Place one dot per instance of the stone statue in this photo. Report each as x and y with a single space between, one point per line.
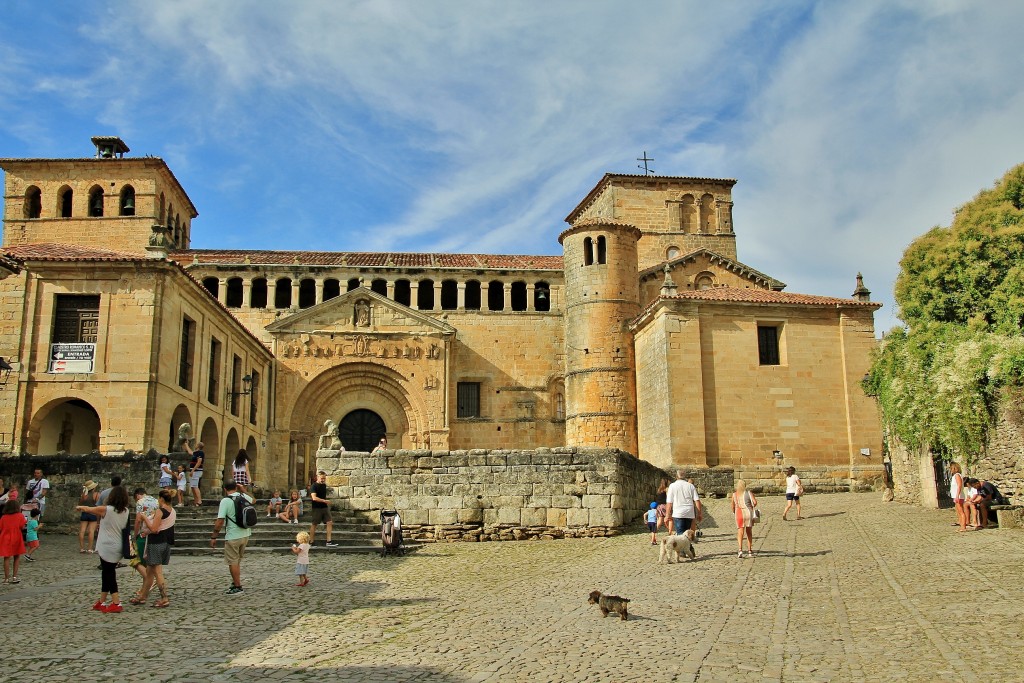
362 314
330 437
184 437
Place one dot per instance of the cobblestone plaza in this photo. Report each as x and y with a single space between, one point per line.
857 591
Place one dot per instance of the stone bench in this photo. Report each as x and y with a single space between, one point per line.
1008 516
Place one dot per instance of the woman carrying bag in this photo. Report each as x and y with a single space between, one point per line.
744 506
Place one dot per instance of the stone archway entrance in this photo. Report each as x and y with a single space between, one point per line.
361 430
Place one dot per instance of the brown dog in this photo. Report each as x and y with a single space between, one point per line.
610 603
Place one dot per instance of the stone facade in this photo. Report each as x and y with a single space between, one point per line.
492 495
642 337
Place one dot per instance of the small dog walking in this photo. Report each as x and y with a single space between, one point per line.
672 547
610 603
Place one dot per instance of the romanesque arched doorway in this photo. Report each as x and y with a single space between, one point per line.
361 430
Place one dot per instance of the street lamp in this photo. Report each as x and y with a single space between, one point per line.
246 387
5 371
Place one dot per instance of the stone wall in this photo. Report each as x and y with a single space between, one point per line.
485 495
67 474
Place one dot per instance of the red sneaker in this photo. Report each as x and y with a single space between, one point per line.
112 608
98 606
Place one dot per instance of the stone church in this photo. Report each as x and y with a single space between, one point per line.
647 335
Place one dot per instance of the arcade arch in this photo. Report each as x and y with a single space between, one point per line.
210 438
66 424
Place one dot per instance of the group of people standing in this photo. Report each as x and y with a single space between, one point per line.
678 508
20 522
972 498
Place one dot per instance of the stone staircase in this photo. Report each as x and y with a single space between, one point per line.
353 532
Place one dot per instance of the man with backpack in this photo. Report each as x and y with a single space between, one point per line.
237 512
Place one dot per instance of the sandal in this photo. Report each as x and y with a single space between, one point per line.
162 602
136 600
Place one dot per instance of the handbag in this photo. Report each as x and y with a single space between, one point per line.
755 513
799 489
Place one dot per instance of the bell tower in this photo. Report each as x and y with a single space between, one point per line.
108 201
602 296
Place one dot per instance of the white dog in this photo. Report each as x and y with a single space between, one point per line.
672 547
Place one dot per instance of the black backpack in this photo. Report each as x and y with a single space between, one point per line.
245 512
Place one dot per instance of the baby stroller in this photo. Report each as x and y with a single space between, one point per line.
391 533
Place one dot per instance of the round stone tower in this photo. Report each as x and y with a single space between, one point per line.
602 294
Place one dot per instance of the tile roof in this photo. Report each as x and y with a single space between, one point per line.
67 252
767 296
366 259
72 252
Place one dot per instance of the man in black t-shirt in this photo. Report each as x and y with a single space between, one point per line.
195 470
321 508
986 496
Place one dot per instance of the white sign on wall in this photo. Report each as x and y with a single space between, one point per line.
72 358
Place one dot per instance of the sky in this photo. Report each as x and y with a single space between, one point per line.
443 126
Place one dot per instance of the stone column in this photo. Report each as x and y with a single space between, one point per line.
461 303
246 292
530 287
319 291
506 296
437 295
390 289
222 290
295 292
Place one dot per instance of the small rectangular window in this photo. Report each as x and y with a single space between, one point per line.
254 394
188 351
468 398
768 344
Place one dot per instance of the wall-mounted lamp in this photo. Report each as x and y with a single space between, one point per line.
5 371
777 454
865 452
246 387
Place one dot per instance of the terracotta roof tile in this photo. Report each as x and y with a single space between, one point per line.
767 296
367 259
67 252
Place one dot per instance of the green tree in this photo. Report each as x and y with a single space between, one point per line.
961 294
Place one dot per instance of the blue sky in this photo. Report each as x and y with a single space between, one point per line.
852 127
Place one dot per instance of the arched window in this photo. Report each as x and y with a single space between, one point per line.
283 293
33 202
126 203
707 214
495 296
258 293
672 252
403 292
518 296
425 295
233 297
65 199
687 213
588 251
541 297
307 293
380 286
96 202
170 216
704 281
332 288
559 406
212 285
449 295
602 250
353 282
472 295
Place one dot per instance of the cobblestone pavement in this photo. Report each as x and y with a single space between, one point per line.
857 591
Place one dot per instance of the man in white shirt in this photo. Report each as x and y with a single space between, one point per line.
683 505
36 490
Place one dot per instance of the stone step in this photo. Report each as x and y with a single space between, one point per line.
318 549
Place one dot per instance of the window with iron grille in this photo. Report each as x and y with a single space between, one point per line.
768 344
468 397
76 318
188 352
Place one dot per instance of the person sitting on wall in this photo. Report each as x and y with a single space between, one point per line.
984 497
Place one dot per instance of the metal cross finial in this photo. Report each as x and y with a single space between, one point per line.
645 159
